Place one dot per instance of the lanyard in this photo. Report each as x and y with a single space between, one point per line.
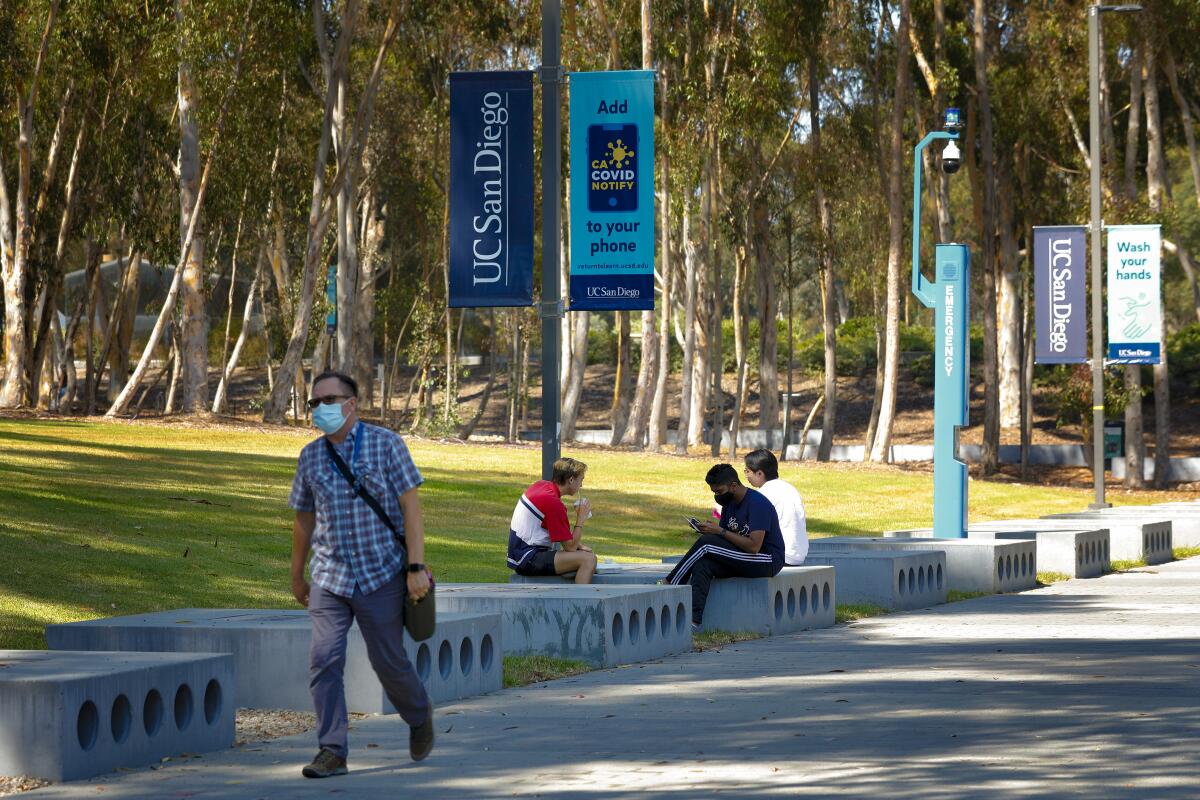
358 437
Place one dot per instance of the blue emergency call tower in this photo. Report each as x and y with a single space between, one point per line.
949 296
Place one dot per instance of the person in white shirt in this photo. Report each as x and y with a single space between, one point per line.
762 471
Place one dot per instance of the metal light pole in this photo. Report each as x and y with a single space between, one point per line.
551 308
1097 226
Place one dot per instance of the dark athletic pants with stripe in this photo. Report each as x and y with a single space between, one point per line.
712 557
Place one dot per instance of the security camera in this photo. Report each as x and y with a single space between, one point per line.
951 158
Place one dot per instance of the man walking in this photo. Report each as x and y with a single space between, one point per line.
746 543
358 564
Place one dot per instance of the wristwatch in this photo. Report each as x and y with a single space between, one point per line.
416 567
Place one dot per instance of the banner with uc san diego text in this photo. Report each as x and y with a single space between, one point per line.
1134 297
612 190
491 189
1060 294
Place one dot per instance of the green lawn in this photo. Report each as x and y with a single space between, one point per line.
101 519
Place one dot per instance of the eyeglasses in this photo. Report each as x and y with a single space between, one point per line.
329 398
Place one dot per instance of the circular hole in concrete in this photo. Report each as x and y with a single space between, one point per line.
152 712
939 576
1104 557
651 624
183 706
121 719
486 653
1091 551
921 579
1079 557
778 606
912 580
815 593
424 662
466 656
1021 563
87 726
902 584
803 600
681 620
791 603
664 621
826 597
212 701
1008 568
635 626
618 629
445 659
1000 568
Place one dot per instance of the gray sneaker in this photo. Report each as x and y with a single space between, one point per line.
326 765
420 738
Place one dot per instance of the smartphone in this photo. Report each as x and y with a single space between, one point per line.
694 523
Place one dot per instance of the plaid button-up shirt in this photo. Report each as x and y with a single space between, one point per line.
351 547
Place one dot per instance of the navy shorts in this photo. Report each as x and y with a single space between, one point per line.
538 564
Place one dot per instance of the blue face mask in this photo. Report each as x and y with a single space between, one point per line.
329 417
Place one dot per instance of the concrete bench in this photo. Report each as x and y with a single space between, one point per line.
270 651
972 565
1147 537
896 579
1080 552
68 716
601 625
798 598
1184 518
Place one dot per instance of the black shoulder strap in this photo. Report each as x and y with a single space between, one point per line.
361 490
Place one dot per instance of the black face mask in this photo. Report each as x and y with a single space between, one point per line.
725 498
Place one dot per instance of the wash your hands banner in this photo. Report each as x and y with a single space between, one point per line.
491 189
612 190
1060 294
1134 297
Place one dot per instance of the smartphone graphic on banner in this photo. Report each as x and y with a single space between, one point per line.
612 162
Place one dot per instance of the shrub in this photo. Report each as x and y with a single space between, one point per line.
1183 356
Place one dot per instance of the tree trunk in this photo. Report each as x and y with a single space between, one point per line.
741 259
768 312
991 363
1135 444
123 323
825 249
658 412
701 361
1185 116
1009 301
1134 127
881 446
623 381
877 395
689 326
1162 419
219 399
1158 189
371 239
574 396
469 428
346 227
14 265
194 322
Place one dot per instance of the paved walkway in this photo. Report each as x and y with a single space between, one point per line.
1088 688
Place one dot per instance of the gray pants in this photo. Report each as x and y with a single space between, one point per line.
380 618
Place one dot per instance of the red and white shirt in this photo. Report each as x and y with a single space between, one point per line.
539 520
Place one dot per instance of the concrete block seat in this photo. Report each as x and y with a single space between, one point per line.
1145 537
71 715
898 579
270 652
798 598
1185 521
972 565
602 625
1079 550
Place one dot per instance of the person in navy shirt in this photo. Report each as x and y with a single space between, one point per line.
745 543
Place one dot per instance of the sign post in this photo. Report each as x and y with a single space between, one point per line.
551 307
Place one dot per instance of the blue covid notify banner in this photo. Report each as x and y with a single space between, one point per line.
612 190
1060 294
491 189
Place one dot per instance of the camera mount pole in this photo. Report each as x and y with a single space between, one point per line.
949 296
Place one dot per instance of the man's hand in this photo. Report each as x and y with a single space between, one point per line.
300 590
710 527
583 510
584 548
418 584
